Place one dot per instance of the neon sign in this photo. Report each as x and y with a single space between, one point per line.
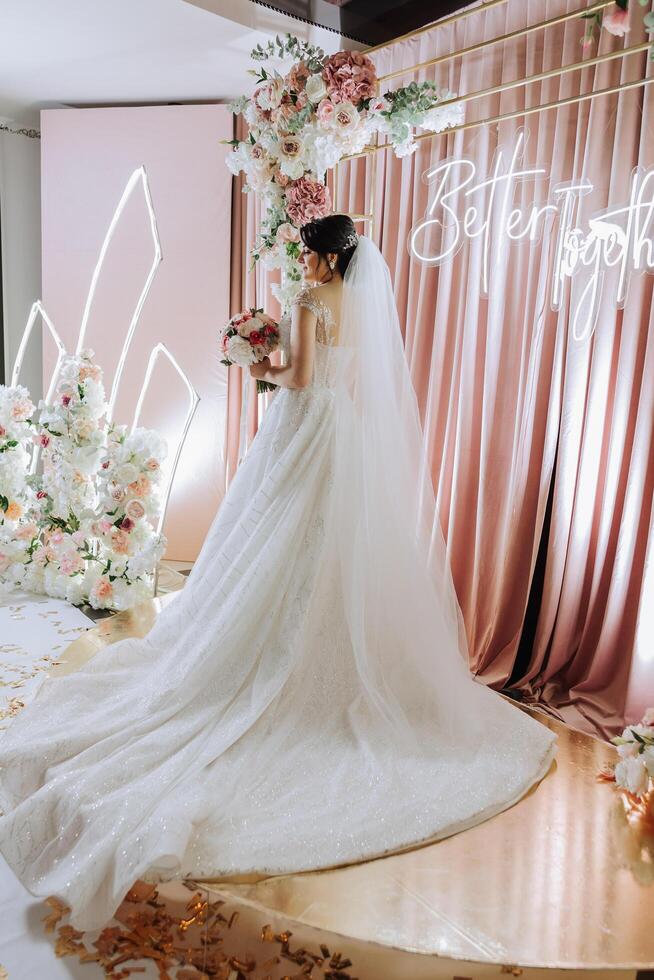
618 236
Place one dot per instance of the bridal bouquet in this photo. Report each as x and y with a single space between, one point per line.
247 339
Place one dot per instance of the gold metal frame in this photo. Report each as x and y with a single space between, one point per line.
512 35
373 149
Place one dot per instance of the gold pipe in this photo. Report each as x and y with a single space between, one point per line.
539 108
551 73
522 32
373 178
436 23
509 115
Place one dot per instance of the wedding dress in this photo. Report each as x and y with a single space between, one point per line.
305 700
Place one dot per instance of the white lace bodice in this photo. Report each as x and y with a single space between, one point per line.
329 357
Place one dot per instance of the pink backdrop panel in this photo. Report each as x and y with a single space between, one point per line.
88 156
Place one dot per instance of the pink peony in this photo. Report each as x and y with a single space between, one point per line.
616 21
325 112
283 180
120 541
27 531
307 200
350 76
102 590
89 371
140 487
22 409
70 564
134 509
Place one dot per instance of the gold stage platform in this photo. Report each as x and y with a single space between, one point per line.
560 881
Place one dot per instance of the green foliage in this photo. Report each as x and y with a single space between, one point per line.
310 54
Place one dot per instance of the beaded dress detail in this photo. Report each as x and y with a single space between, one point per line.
235 736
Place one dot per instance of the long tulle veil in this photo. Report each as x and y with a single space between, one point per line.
405 620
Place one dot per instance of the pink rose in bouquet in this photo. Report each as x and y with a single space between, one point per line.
350 76
307 200
247 339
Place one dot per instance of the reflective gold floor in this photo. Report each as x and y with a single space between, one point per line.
560 880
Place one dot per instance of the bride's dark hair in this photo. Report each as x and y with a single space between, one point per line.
334 233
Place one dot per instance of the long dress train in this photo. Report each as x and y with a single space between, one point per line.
237 736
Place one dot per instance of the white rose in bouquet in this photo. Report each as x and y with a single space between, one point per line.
315 88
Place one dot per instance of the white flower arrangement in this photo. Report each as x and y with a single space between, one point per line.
81 530
303 123
635 771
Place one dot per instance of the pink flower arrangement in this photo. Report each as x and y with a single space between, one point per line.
350 76
307 200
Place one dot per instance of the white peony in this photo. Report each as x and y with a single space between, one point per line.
346 118
239 351
632 775
269 95
293 168
315 88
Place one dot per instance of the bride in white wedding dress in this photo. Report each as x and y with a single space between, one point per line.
305 700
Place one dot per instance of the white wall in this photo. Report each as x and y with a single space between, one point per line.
20 230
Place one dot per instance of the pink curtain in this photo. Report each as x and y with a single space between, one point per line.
541 444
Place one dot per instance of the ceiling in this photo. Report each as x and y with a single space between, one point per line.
99 52
370 21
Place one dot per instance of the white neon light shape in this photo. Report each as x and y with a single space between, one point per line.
194 398
36 310
138 176
608 243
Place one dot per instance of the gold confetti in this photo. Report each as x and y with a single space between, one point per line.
192 944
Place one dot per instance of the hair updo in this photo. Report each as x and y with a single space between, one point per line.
334 233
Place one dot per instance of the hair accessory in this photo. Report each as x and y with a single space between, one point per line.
351 240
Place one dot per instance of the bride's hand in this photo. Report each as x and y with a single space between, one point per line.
258 370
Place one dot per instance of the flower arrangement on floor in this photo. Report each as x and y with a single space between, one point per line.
615 20
81 529
247 339
303 123
634 773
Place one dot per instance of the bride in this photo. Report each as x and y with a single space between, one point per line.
305 701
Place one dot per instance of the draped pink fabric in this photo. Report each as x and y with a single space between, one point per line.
542 445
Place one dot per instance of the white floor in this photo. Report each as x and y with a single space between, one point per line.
34 630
